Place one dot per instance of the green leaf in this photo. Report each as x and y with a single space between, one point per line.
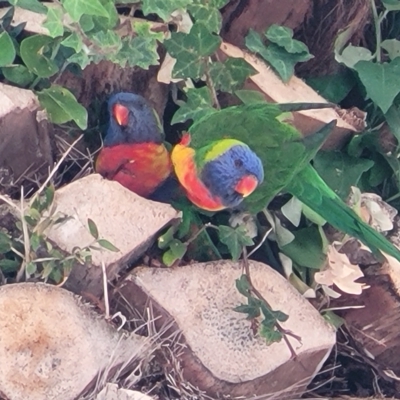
7 53
33 53
35 241
282 61
271 335
351 55
8 266
18 74
333 88
190 50
250 96
234 239
54 21
381 81
283 37
164 240
391 5
333 319
306 250
31 5
271 317
30 268
252 309
76 8
62 106
107 245
93 228
163 8
231 74
207 13
243 285
392 46
82 59
178 248
198 104
86 23
141 50
5 243
74 41
340 171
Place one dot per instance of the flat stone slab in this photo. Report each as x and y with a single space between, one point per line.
125 219
53 346
221 355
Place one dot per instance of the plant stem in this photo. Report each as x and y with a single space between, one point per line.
285 333
378 32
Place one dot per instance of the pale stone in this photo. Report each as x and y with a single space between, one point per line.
53 346
125 219
111 392
222 354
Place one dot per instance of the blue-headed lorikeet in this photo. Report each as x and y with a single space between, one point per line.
219 175
134 154
285 155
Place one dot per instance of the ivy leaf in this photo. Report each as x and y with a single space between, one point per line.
243 285
190 50
74 41
341 171
76 8
234 239
381 81
62 106
163 8
176 251
7 53
351 55
283 37
252 309
207 13
54 21
141 50
282 61
231 74
82 59
109 41
7 266
198 104
250 96
33 54
31 5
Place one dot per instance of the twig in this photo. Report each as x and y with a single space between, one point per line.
264 238
105 288
283 331
54 170
27 244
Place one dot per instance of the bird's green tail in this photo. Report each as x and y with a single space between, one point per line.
309 188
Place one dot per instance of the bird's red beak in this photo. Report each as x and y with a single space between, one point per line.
247 185
121 114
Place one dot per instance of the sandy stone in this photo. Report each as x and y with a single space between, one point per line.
53 346
125 219
222 355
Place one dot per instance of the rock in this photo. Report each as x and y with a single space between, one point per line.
294 91
127 220
111 392
53 346
25 139
219 353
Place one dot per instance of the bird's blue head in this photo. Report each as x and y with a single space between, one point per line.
232 171
132 120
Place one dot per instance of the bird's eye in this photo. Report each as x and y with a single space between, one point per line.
238 163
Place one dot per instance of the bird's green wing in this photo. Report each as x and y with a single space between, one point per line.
309 188
281 147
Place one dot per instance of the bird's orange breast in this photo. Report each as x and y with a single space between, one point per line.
141 168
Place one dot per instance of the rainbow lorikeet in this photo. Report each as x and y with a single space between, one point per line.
285 155
134 154
219 175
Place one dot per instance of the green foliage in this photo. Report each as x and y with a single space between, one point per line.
43 261
282 53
